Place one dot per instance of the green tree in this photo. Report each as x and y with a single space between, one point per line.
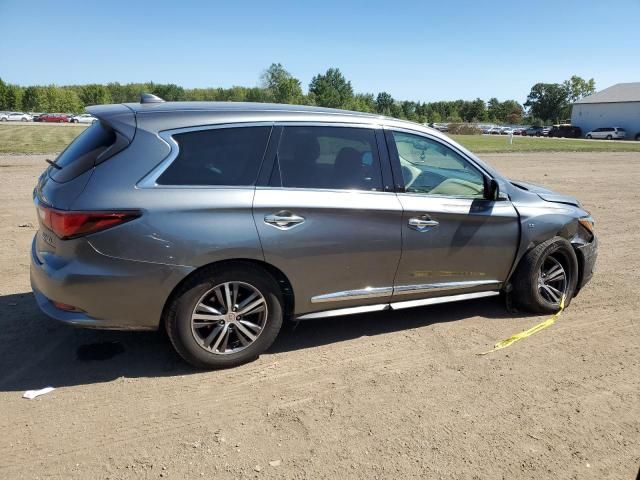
384 102
578 88
281 85
3 95
94 94
331 89
363 102
34 100
548 101
13 97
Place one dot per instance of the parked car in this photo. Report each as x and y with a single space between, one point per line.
36 116
218 221
506 131
54 118
608 133
16 117
495 130
545 131
83 118
534 131
565 131
486 129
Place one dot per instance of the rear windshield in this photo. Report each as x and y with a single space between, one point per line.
81 154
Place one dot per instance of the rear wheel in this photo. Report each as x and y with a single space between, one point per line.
227 317
609 137
588 137
546 274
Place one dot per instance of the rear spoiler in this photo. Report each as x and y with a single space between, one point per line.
118 116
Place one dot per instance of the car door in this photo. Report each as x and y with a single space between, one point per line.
327 215
455 241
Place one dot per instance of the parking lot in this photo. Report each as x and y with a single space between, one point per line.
389 395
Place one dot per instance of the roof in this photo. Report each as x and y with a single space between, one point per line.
620 92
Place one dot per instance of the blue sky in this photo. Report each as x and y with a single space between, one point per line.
418 50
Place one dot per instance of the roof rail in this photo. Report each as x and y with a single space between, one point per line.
150 98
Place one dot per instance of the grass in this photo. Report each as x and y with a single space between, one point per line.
34 138
37 138
500 143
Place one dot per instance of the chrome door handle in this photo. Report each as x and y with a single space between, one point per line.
422 224
283 220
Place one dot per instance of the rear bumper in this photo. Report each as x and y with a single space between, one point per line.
587 255
111 293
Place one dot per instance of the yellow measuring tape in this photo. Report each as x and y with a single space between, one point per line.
527 333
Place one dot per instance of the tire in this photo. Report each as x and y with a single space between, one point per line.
609 137
638 137
221 343
588 137
24 120
528 294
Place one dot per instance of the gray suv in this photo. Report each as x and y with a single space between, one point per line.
217 221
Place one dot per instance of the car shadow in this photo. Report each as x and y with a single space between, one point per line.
37 352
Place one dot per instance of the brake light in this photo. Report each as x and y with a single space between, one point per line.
68 224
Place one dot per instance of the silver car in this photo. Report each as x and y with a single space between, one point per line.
218 221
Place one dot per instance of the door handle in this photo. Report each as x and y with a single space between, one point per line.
283 220
422 223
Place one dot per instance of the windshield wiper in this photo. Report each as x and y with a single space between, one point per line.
53 164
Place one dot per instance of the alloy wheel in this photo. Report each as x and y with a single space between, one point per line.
229 318
552 280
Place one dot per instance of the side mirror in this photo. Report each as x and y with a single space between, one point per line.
492 190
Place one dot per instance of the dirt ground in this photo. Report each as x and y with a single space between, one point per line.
389 395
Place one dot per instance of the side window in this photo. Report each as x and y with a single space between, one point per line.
429 167
329 157
219 156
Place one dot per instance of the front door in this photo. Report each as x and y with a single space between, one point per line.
454 240
326 219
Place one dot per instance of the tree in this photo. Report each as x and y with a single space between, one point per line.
548 101
579 87
384 102
331 89
363 102
281 85
94 94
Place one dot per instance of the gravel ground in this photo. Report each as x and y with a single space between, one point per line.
388 395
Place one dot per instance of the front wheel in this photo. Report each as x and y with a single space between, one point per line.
545 274
225 317
609 137
588 137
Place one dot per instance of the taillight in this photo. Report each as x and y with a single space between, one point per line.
68 224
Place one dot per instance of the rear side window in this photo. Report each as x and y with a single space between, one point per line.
82 153
329 157
219 156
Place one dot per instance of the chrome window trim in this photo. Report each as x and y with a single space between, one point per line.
150 179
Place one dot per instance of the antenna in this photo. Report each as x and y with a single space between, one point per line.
150 98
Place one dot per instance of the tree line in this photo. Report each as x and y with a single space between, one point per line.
546 102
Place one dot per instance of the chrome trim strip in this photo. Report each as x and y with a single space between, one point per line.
440 287
344 311
369 292
396 305
437 300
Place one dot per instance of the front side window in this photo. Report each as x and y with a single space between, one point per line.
329 157
219 156
430 167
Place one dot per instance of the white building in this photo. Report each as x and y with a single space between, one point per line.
616 106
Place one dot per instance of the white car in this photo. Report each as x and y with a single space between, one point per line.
83 118
16 117
608 133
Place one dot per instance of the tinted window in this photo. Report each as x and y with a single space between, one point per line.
220 156
329 157
82 153
431 167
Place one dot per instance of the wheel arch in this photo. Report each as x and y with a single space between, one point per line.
283 282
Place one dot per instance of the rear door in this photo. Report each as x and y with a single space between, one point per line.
327 216
454 240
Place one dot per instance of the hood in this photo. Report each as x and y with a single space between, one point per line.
546 194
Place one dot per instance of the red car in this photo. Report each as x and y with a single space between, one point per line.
54 117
